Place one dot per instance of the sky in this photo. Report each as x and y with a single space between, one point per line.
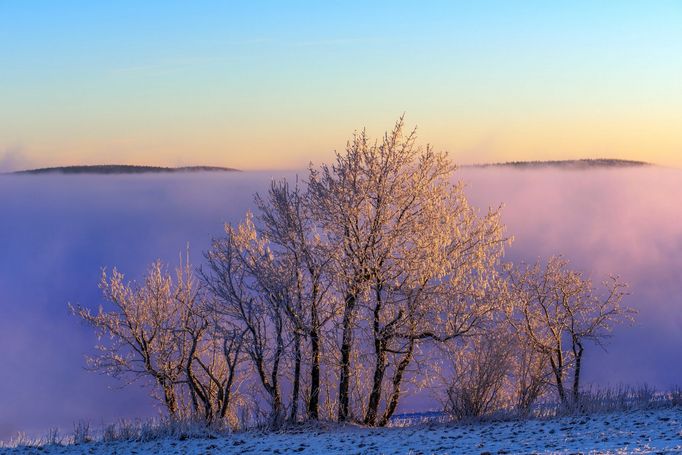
275 85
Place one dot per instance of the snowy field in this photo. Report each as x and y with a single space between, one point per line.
642 431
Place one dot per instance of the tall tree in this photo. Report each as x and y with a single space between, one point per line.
396 225
252 288
287 224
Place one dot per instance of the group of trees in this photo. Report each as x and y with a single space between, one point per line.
339 296
534 344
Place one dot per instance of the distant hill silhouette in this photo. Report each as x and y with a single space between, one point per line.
567 164
133 169
122 169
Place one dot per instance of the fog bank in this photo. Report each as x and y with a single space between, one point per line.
57 232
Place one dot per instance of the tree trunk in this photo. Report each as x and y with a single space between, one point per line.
277 411
227 393
346 346
375 395
169 399
557 369
194 388
297 377
313 402
576 374
380 365
397 381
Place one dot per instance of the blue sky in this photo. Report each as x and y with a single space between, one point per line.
275 84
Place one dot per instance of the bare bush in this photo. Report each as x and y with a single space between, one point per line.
52 438
81 433
675 396
481 366
530 376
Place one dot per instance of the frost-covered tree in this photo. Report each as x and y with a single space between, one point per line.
253 289
139 331
286 222
401 238
162 330
559 310
212 368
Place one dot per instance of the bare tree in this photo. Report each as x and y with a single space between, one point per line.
287 224
141 331
253 290
163 330
402 233
213 360
559 310
338 195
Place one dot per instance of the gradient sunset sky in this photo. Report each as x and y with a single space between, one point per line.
274 85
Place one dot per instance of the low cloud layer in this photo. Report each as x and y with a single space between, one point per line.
58 231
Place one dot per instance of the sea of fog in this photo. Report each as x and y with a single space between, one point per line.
57 232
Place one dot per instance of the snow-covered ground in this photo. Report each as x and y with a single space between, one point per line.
643 431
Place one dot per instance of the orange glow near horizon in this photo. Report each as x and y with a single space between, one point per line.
282 149
278 88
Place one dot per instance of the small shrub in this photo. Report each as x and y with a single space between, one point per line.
52 438
81 433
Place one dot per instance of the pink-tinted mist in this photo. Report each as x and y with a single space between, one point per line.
56 232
